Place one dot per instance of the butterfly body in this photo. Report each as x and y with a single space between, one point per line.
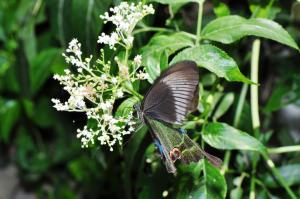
173 95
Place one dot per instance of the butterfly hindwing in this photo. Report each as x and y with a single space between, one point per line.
173 94
174 145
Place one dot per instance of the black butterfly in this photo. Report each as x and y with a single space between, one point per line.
172 96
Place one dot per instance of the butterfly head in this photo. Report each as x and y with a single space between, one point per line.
139 112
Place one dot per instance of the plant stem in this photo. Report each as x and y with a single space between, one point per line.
256 126
285 149
254 109
254 88
240 105
199 22
151 29
278 176
236 122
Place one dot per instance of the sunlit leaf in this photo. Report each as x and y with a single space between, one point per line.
162 46
214 60
232 28
223 136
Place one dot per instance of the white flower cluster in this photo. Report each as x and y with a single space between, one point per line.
86 85
109 130
92 87
125 17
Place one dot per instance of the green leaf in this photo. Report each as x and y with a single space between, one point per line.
214 186
224 106
264 9
192 184
77 19
161 47
291 174
214 60
284 93
221 9
236 193
44 114
223 136
126 106
171 2
9 114
232 28
40 69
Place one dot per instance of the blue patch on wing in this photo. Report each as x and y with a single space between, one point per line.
159 146
182 131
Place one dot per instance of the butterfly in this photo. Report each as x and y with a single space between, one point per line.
172 96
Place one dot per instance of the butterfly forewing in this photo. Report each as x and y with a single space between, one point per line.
173 94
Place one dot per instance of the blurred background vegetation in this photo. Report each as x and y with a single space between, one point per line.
40 156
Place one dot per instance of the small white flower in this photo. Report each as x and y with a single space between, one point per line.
137 60
141 75
119 93
114 80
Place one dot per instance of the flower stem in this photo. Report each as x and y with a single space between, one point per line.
199 22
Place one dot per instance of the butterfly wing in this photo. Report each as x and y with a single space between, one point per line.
174 145
173 94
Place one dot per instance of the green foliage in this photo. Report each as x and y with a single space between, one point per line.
42 142
224 30
220 135
213 59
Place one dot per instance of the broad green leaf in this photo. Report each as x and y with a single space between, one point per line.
291 174
223 136
224 105
161 47
210 185
126 107
77 19
214 60
232 28
9 114
215 184
27 34
40 69
171 2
